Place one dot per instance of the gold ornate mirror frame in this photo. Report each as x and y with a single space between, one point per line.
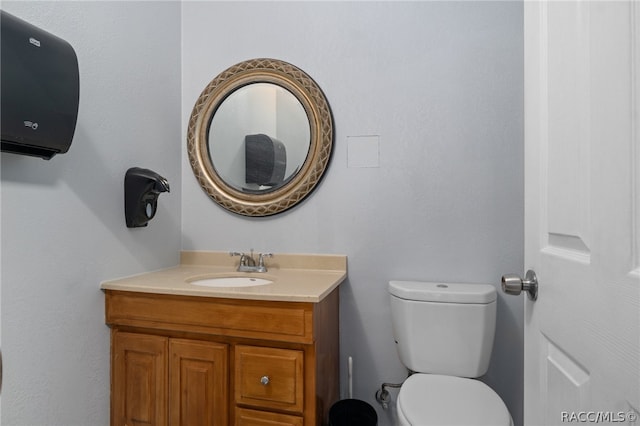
320 119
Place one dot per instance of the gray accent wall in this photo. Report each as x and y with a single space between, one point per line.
441 86
63 226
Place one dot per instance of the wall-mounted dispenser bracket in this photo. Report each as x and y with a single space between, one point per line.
141 190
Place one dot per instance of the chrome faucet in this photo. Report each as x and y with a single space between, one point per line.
248 262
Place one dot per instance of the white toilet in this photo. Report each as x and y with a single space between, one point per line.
444 334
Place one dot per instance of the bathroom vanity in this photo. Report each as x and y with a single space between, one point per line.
183 354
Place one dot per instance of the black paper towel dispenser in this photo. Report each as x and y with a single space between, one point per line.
265 160
40 89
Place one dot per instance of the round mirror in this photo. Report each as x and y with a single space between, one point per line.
260 137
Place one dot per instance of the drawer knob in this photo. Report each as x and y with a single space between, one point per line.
264 380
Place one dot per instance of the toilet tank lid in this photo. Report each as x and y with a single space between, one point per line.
443 292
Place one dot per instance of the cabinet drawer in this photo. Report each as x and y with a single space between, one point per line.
269 377
246 417
281 321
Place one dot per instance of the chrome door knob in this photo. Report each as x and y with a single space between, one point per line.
264 380
513 284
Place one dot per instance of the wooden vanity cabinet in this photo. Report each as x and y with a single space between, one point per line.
191 360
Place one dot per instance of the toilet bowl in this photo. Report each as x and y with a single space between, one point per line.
444 334
432 399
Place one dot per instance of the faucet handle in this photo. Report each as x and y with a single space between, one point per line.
262 256
243 257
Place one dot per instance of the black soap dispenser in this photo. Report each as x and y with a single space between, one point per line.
141 190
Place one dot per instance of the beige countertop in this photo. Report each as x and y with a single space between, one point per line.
296 277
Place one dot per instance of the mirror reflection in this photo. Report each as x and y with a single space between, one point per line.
258 138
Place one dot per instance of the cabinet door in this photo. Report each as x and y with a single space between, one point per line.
139 380
198 383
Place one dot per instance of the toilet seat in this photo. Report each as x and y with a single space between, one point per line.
431 399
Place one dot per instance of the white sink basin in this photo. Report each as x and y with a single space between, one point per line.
230 282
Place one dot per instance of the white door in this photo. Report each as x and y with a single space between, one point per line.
582 212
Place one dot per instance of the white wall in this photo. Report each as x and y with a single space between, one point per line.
63 228
441 83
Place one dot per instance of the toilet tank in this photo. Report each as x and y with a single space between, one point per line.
443 328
